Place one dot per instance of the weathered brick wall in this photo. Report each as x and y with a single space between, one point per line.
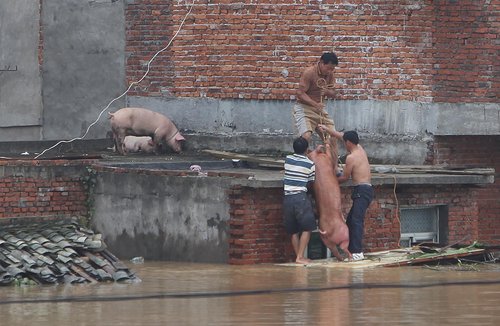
256 227
33 189
382 221
465 51
257 234
442 51
149 28
477 151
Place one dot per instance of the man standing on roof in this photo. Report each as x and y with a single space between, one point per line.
315 84
298 213
356 167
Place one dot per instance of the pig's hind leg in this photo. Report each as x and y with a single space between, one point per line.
119 142
344 246
336 253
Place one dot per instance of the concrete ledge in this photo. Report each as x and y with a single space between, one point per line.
266 180
15 148
381 150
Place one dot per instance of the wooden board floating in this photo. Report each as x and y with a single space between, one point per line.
394 258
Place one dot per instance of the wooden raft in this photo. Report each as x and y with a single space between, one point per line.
394 258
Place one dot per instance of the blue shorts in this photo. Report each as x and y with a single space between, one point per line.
298 214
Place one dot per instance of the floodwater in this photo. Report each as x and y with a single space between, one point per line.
213 294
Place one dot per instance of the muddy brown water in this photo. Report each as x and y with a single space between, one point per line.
209 294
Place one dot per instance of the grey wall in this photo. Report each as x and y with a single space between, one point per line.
392 132
83 66
81 72
377 117
20 83
163 217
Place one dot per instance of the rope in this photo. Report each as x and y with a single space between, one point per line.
397 205
323 86
321 83
397 209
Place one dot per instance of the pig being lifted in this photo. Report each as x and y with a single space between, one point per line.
332 227
144 122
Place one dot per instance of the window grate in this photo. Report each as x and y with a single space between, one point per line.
419 225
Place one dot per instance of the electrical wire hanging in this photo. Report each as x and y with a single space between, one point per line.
127 90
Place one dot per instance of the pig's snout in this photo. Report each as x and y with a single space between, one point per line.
178 147
176 142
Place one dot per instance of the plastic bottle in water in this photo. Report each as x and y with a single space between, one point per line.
137 260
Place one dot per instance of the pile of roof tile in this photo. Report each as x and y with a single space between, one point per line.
57 252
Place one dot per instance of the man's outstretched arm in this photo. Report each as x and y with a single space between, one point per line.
331 132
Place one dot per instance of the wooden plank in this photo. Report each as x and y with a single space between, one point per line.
389 258
270 162
400 169
415 169
439 257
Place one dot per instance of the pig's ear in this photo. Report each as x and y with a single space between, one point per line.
150 142
179 137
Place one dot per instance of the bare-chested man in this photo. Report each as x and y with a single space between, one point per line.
315 84
356 167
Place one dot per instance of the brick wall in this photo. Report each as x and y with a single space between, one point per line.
382 221
256 227
257 234
465 51
149 28
32 189
441 51
478 151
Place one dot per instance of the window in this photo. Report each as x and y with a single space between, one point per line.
423 224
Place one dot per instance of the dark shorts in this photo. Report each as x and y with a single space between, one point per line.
298 214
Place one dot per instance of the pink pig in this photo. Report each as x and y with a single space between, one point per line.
332 227
134 144
144 122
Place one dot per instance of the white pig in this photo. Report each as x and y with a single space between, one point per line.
144 122
134 144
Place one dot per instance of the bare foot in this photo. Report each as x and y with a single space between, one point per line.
303 260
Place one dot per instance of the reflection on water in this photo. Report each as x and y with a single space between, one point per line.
202 294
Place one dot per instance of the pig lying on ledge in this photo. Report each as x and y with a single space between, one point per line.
144 122
332 227
134 144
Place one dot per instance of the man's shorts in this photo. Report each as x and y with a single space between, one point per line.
307 119
298 214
